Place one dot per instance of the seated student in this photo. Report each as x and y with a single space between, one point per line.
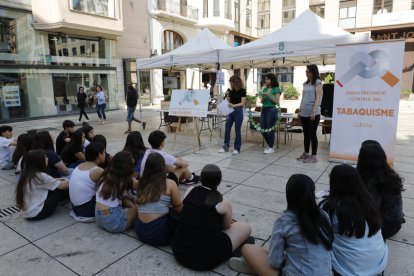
89 132
175 165
24 144
301 240
101 139
155 196
135 145
64 137
84 179
358 247
72 153
56 167
37 193
205 236
112 193
7 147
384 184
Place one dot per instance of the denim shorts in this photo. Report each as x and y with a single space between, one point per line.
130 115
113 220
157 232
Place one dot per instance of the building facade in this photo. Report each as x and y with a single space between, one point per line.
46 54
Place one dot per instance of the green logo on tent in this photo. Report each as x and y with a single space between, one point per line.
281 46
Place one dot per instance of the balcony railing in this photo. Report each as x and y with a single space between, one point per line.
177 8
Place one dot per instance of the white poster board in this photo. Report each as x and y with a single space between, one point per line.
367 95
11 96
170 82
189 103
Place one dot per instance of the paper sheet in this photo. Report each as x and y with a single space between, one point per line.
224 108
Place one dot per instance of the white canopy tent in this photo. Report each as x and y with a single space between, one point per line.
307 39
200 51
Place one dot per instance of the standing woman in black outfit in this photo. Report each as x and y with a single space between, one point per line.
81 97
236 97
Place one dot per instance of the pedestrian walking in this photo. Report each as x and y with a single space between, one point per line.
132 101
100 105
81 98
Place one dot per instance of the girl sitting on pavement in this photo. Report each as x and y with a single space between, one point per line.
301 239
135 145
83 182
89 132
112 193
37 193
72 153
384 184
24 144
155 196
101 139
205 236
358 247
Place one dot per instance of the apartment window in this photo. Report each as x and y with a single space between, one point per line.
205 8
382 6
248 18
74 52
263 6
288 11
93 47
263 21
318 7
412 4
347 14
171 41
227 9
98 7
82 49
8 35
216 8
237 15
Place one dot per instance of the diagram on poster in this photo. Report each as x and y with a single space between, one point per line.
11 96
189 103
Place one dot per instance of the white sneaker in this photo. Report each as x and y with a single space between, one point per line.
265 150
221 151
269 151
235 152
240 265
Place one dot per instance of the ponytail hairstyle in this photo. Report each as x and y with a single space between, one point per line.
153 181
211 178
300 195
116 180
34 163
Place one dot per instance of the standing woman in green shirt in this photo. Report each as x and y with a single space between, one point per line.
270 96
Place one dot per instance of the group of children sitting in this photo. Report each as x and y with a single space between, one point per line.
138 187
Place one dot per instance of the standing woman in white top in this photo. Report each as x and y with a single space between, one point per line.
112 193
310 112
101 105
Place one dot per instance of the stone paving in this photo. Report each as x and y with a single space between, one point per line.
254 182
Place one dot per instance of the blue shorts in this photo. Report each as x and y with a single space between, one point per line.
113 220
131 111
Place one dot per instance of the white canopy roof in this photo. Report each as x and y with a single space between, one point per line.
308 38
200 51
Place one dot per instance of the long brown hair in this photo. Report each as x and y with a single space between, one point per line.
34 163
153 180
237 82
117 178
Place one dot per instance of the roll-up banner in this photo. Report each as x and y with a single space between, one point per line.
367 94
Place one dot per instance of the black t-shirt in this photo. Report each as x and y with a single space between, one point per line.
52 159
81 99
236 96
68 153
60 142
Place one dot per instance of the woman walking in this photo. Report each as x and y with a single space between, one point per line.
236 98
101 105
81 98
310 112
270 96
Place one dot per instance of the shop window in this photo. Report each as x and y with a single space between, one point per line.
347 14
8 35
382 6
170 41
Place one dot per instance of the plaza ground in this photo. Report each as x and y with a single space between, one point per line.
254 182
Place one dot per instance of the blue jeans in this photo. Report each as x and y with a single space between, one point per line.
235 117
100 109
268 118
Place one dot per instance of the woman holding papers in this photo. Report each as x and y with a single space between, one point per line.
270 96
236 96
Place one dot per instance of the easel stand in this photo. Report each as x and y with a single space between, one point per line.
196 137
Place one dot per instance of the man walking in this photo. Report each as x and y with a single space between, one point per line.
131 101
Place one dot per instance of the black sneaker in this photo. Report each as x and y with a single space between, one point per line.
144 124
194 180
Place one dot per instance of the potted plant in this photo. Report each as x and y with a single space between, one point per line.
250 101
405 93
291 93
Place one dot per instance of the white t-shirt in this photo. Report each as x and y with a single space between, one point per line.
6 151
36 196
101 97
107 202
81 187
169 159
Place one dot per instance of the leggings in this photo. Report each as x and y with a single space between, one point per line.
309 133
51 203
